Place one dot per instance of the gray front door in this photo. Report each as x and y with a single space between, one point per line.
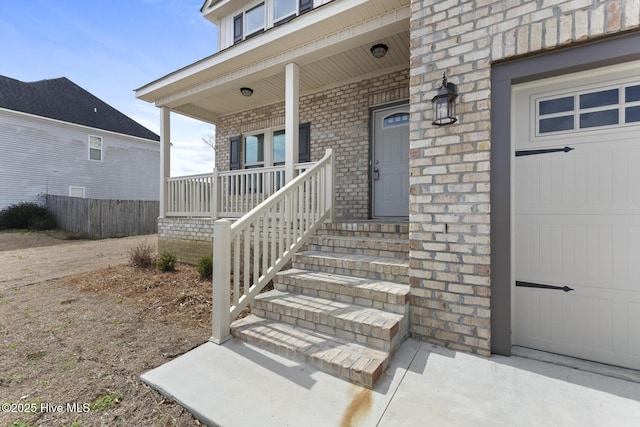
390 162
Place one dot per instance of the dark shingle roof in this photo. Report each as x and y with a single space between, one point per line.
61 99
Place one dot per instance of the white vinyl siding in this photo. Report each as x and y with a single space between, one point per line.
42 156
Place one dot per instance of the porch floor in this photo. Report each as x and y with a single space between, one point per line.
237 384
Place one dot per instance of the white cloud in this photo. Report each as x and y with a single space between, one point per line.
189 155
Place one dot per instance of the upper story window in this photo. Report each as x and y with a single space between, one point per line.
95 148
283 9
255 19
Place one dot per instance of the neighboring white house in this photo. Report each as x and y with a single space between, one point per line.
57 138
523 211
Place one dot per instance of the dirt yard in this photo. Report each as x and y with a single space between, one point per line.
78 326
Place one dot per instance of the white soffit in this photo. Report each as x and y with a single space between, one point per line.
335 27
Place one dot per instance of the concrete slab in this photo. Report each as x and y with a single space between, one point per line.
237 384
450 388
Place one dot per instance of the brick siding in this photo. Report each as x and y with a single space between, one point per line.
339 119
449 166
187 238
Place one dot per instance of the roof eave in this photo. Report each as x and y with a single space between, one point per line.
264 47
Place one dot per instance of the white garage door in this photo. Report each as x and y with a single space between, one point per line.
577 215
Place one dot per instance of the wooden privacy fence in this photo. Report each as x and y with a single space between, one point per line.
101 218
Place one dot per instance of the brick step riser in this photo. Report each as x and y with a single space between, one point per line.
363 234
372 247
345 250
319 363
380 300
361 333
365 229
378 271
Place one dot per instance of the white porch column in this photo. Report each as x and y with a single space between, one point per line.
291 119
165 156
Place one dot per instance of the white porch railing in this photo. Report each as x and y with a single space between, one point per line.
190 195
228 194
254 248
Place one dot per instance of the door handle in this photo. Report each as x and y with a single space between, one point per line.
376 174
545 151
542 286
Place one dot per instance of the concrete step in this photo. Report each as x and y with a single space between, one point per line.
388 296
337 356
360 245
390 230
360 266
368 326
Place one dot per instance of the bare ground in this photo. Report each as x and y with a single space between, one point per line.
78 326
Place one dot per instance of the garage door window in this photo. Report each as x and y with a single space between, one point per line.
588 109
632 96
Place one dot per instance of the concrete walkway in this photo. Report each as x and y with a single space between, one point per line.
237 384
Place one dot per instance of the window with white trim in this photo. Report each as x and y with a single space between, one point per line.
278 151
254 20
264 148
284 9
76 192
95 148
254 151
616 105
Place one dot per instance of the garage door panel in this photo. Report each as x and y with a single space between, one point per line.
577 222
555 248
633 335
632 182
578 324
594 178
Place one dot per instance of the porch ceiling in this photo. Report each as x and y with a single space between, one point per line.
330 44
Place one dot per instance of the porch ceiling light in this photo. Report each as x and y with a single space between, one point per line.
246 91
444 107
379 50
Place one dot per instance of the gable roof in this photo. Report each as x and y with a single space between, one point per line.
63 100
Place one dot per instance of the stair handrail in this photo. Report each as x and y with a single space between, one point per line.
268 236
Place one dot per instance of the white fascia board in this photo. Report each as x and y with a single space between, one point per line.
214 10
263 51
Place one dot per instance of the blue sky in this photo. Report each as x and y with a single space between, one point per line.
110 48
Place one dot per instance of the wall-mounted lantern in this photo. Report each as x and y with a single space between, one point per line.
444 106
246 91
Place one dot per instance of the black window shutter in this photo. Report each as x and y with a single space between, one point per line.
304 143
305 6
234 152
237 28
